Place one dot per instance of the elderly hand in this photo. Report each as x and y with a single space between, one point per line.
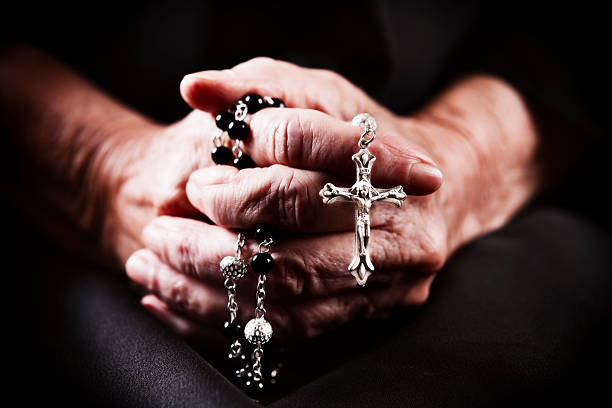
300 150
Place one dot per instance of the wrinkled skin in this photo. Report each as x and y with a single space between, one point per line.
169 181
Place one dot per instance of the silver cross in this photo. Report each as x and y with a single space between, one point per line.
363 194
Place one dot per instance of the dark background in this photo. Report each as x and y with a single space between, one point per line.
402 53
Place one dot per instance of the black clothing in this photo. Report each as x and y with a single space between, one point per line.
518 318
521 316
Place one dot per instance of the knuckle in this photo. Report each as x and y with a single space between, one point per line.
293 202
236 199
280 140
248 200
330 75
290 279
286 143
261 61
256 64
306 323
186 254
434 253
359 306
286 201
419 295
183 298
281 321
179 294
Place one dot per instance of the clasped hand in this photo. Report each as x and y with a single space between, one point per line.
299 149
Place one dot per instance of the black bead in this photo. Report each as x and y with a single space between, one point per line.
224 119
264 232
221 155
262 262
254 102
277 103
232 330
237 129
244 162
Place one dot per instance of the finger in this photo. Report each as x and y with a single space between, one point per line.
282 196
187 328
308 318
278 195
189 246
304 265
318 265
312 140
180 291
323 90
417 295
309 139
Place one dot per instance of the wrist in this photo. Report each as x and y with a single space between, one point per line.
482 136
114 161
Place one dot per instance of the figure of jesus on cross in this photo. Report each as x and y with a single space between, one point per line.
363 194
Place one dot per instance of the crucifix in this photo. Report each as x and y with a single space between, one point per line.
363 195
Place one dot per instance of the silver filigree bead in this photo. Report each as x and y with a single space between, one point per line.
258 331
366 121
233 268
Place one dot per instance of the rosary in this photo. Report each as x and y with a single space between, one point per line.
258 330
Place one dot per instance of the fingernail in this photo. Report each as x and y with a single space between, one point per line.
208 75
212 176
425 177
152 302
136 267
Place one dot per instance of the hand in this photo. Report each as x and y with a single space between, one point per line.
310 289
150 166
101 161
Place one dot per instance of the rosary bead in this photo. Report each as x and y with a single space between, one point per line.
221 155
277 103
233 268
223 120
244 162
262 262
237 129
254 102
258 331
264 232
232 330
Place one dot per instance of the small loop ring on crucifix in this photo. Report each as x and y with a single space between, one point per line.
364 141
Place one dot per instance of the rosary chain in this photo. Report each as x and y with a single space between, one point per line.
230 285
216 138
236 149
266 245
257 366
235 349
240 244
260 310
241 110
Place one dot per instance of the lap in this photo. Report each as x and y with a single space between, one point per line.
521 315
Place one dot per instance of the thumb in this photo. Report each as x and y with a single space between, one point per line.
298 87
